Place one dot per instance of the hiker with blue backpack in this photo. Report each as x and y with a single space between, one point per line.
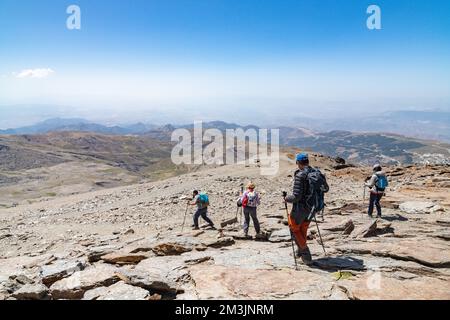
377 184
201 200
307 200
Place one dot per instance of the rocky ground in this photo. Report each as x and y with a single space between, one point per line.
128 242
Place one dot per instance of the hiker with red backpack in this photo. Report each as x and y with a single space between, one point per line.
201 200
307 200
250 200
377 184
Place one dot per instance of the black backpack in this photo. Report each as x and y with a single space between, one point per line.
317 187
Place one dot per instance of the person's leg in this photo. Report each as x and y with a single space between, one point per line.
372 200
196 217
300 233
255 220
378 205
204 214
246 220
297 233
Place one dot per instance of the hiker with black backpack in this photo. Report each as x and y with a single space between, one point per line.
201 200
307 200
377 184
250 200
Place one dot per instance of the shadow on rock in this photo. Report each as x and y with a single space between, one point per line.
397 217
333 264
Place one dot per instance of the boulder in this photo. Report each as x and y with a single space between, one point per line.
152 280
219 243
168 269
95 253
345 227
228 222
118 291
367 230
31 292
280 235
60 269
123 258
419 207
77 284
170 249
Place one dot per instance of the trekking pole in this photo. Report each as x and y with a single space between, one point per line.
320 236
292 236
185 213
364 199
242 193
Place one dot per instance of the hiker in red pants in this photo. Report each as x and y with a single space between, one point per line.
298 219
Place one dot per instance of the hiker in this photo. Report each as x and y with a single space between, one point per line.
250 200
377 184
303 210
202 203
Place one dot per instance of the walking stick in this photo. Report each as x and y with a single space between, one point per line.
320 236
364 199
240 216
185 213
292 236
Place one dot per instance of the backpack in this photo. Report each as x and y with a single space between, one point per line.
382 183
204 199
318 186
251 199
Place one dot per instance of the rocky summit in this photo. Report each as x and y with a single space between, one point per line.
130 243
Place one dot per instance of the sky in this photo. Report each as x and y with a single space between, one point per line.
176 60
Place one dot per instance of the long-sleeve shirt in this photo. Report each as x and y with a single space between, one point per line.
373 182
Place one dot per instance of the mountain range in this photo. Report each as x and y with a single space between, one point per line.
357 147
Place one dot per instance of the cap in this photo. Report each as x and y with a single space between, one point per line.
302 157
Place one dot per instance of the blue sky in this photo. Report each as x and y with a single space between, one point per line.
178 56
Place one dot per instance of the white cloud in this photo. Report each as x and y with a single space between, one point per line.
34 73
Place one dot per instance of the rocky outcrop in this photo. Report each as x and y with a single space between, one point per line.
32 292
60 269
118 291
217 282
419 207
127 243
170 249
379 286
123 258
78 283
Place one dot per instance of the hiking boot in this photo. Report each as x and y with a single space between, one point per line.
195 228
213 228
305 255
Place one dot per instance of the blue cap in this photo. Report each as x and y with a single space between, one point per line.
302 157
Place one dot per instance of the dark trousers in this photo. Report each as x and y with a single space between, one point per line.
251 212
202 213
375 201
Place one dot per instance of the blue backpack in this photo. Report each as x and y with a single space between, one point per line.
382 183
204 199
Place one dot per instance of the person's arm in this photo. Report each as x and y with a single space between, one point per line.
195 201
299 188
371 182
